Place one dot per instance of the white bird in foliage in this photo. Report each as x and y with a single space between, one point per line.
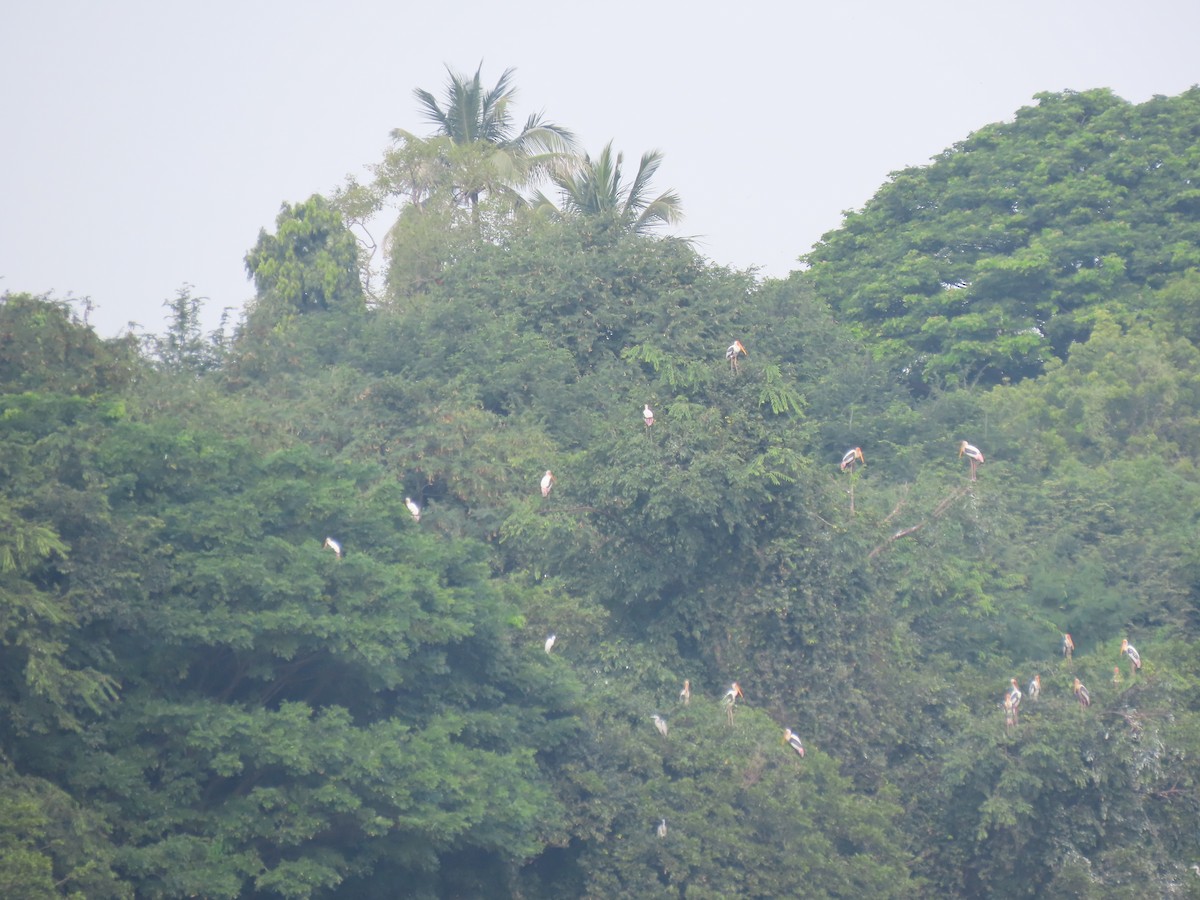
1134 656
732 354
662 828
1035 687
730 698
550 639
686 694
1014 692
1081 694
413 508
851 456
648 415
793 740
333 545
547 483
660 723
971 452
1068 646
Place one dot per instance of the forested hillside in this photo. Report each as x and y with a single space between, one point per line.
398 590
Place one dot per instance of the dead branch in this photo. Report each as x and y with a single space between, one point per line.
938 512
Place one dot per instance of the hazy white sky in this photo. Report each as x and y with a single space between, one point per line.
146 143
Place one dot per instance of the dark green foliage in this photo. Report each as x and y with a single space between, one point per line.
199 698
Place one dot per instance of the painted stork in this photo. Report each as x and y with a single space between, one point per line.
550 639
851 456
1068 646
971 452
660 723
686 694
1081 694
1035 687
730 699
1134 656
648 415
662 828
1014 692
1010 711
793 740
413 508
732 354
547 483
333 545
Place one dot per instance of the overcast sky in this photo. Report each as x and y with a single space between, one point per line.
146 143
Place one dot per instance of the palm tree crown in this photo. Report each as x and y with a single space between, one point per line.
595 190
488 153
472 114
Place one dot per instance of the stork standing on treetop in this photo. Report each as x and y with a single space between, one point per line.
547 483
1068 646
1081 694
971 452
334 546
853 455
648 415
1134 656
793 740
730 699
413 508
732 355
686 694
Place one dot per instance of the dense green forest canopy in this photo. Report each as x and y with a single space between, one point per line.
982 266
234 664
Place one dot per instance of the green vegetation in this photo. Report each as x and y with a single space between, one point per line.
199 697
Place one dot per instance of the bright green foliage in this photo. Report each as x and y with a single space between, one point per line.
309 264
994 258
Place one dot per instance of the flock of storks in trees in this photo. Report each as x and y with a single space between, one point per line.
853 456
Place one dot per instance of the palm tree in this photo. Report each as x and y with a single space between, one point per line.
477 119
595 190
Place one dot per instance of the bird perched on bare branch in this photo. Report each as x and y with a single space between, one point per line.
854 454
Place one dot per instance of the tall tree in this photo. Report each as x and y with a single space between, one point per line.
479 116
310 263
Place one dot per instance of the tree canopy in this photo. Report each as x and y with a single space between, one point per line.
234 664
